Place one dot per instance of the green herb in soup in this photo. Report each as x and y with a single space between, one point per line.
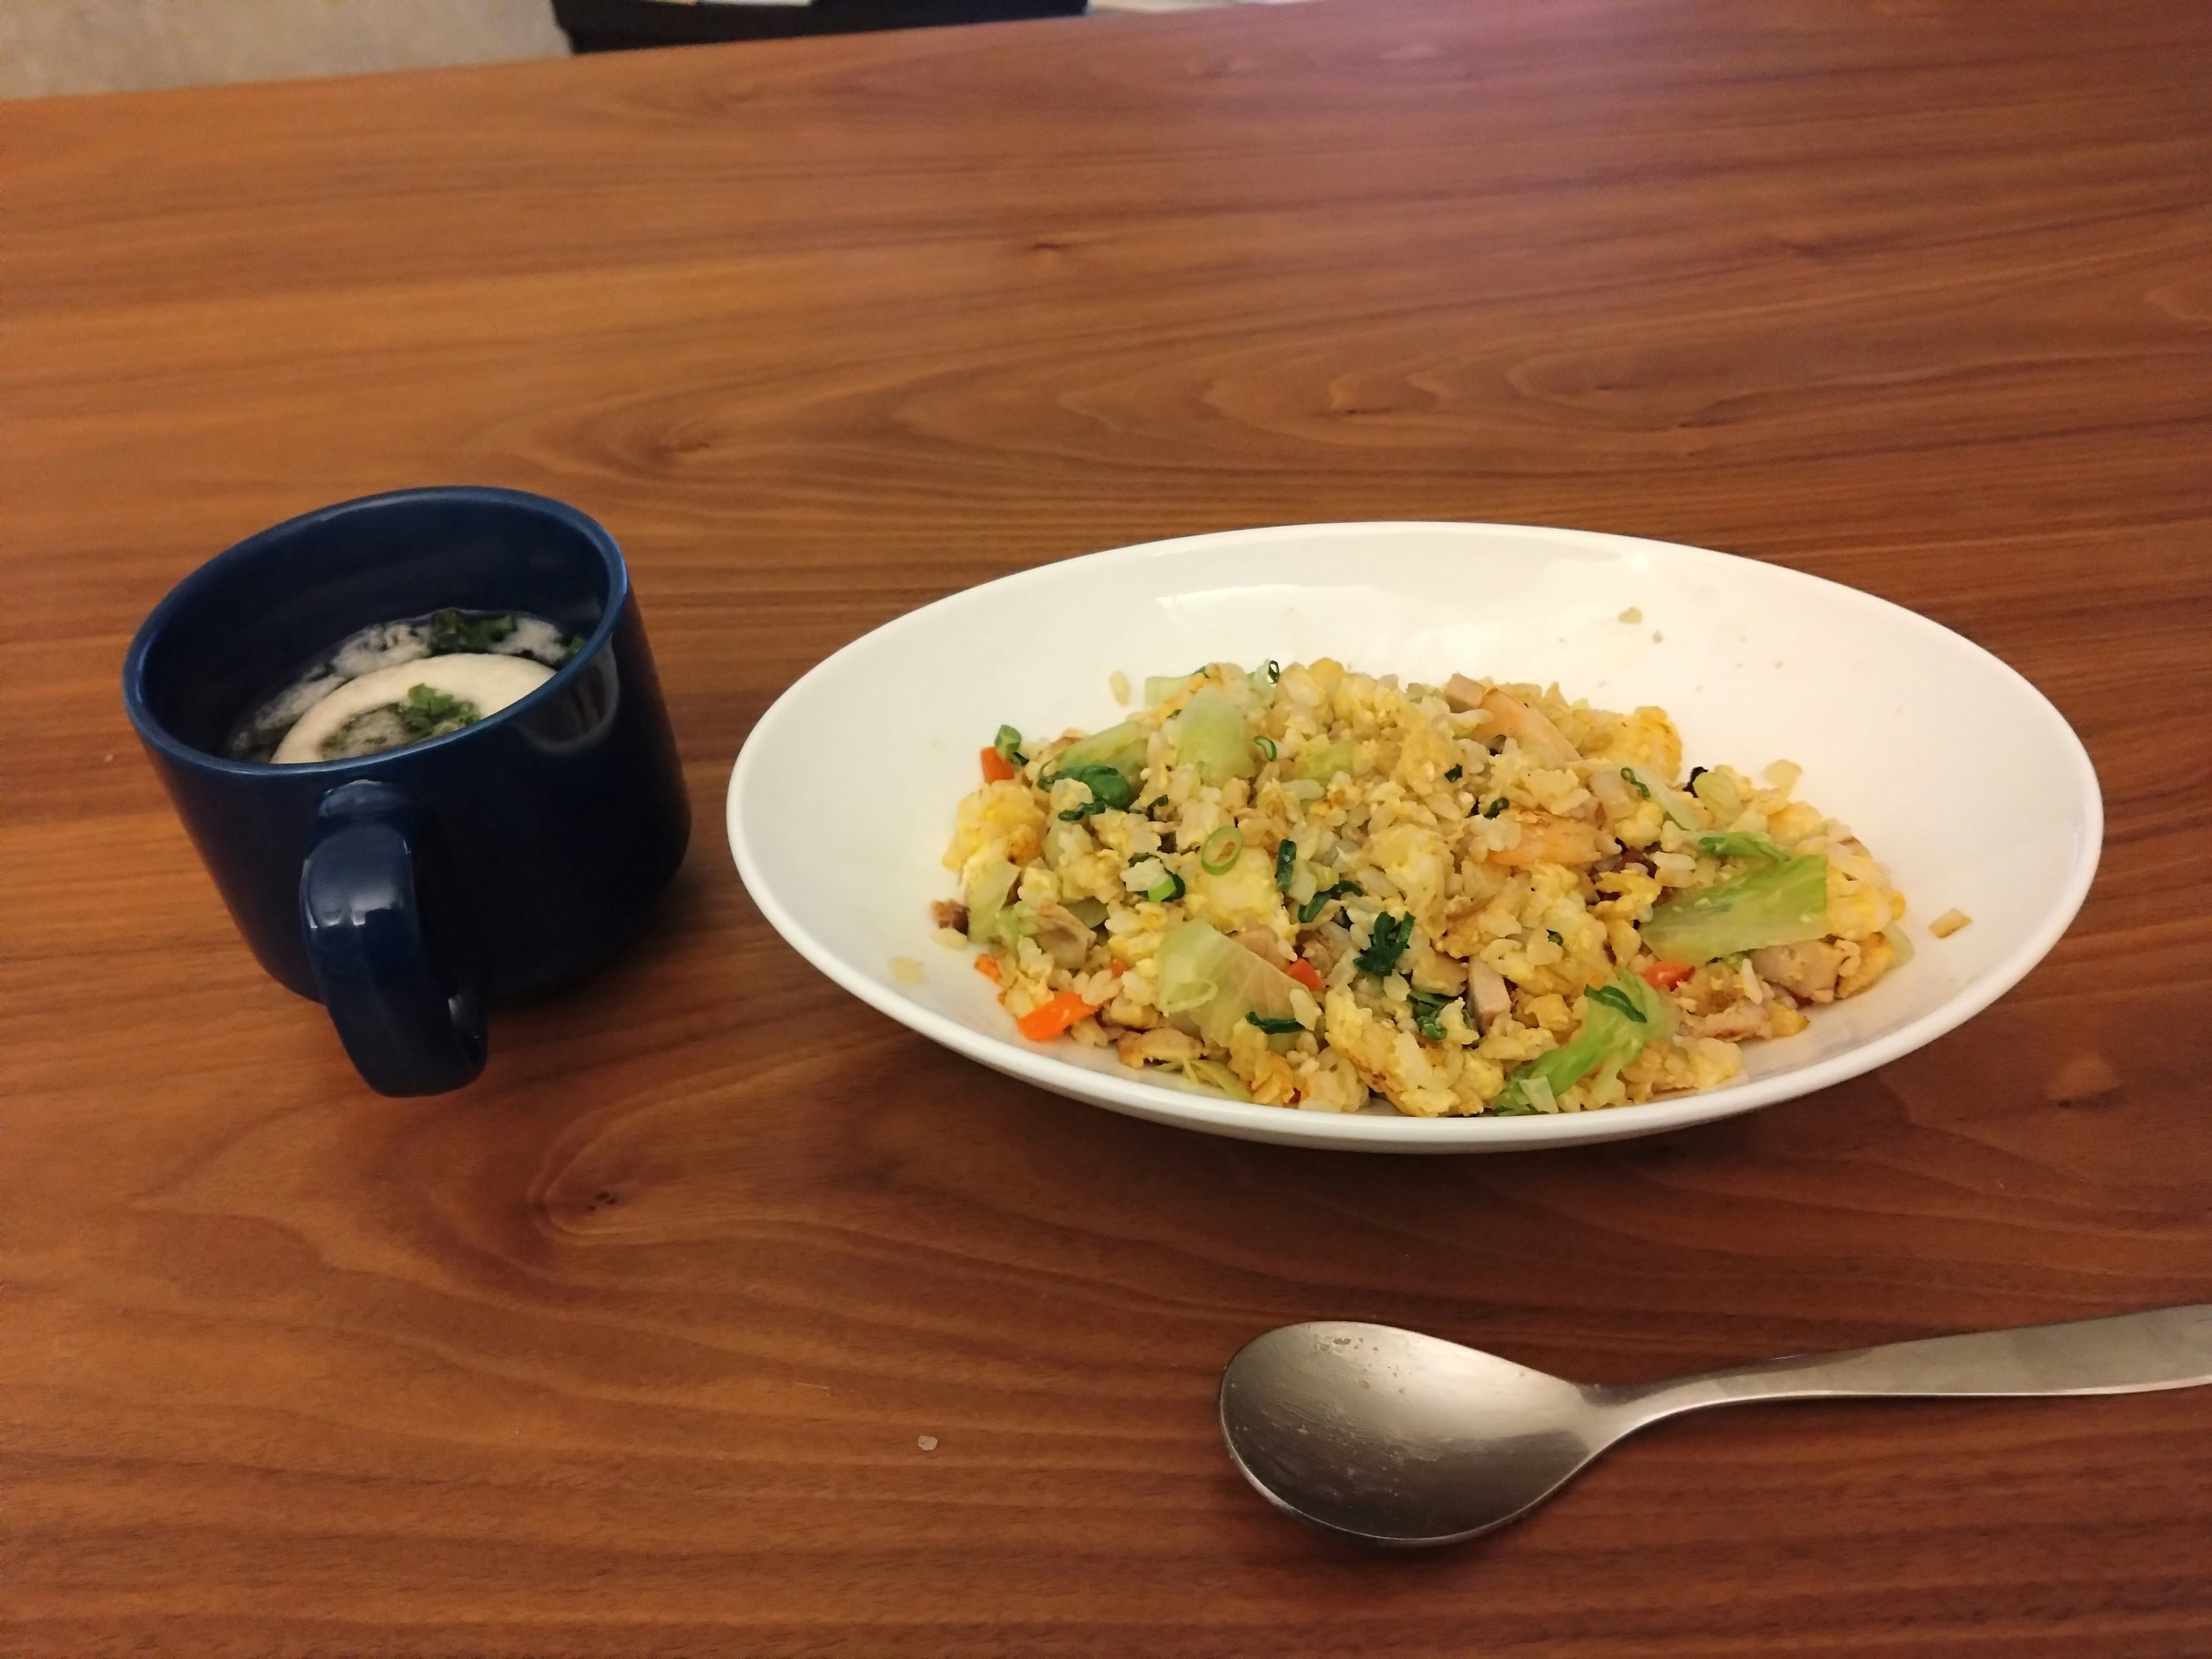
402 683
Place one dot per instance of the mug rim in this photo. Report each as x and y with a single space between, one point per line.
151 731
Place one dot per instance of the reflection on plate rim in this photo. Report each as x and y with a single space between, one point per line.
1373 1131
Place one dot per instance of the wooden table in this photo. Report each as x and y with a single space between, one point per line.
629 1349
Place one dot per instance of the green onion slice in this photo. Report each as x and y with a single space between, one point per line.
1218 851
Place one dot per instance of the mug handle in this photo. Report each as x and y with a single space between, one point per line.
402 981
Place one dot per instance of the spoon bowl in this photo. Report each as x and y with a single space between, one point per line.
1396 1437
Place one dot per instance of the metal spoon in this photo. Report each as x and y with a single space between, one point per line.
1400 1438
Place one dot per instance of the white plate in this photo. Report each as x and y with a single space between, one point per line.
1954 770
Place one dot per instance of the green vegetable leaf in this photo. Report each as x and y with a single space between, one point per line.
1785 903
1320 901
1743 846
428 713
1613 997
1676 805
1494 808
452 631
1273 1027
1429 1012
1618 1020
1210 982
1319 763
1119 747
1453 775
1108 788
1386 944
1210 737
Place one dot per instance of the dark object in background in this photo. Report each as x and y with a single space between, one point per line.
620 25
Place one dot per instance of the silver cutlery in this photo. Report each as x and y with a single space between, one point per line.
1400 1438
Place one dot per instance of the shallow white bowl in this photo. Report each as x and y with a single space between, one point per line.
1954 770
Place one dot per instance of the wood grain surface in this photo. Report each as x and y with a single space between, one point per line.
628 1350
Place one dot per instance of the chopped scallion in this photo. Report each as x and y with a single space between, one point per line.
1494 808
1286 864
1273 1027
1217 854
1429 1012
1266 747
1008 742
1165 892
1453 776
1386 944
1320 901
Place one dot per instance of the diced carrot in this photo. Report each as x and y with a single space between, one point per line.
1042 1024
988 966
1306 975
997 768
1666 975
1119 968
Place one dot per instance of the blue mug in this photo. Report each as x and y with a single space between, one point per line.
407 889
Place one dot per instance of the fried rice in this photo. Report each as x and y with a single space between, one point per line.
1310 887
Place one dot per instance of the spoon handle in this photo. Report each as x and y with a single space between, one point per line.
2129 1353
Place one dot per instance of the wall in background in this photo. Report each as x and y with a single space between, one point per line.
50 46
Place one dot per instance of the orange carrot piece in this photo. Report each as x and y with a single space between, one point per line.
1306 975
997 768
988 966
1666 975
1042 1024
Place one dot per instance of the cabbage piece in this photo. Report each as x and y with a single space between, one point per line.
1718 791
990 882
1209 734
1319 763
1785 904
1211 982
1159 688
1743 844
1672 801
1214 1075
1619 1018
1121 747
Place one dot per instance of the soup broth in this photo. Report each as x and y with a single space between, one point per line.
400 682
